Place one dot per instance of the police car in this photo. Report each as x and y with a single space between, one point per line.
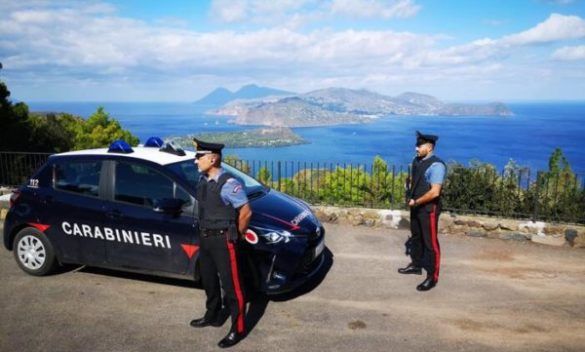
133 209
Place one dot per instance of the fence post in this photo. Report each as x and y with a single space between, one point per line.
536 196
279 175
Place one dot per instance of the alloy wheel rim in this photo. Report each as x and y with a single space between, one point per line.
31 252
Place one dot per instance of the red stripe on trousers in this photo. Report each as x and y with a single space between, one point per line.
239 296
435 243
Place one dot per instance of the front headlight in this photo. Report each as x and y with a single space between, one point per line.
275 236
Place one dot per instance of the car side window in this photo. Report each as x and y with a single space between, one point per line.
188 207
142 185
81 177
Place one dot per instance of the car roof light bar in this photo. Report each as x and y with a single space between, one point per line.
154 142
171 148
120 147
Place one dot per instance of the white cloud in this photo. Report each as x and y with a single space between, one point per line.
258 11
559 2
555 28
92 44
229 10
76 38
570 53
303 11
375 8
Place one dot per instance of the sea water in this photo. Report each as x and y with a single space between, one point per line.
528 137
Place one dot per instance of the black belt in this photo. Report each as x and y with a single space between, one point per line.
213 232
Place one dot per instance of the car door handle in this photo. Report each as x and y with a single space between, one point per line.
114 214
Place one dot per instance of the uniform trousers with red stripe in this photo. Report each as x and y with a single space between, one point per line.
219 261
425 250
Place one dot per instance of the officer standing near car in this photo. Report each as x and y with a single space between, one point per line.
224 215
426 181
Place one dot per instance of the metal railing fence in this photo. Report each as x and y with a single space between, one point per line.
520 193
17 167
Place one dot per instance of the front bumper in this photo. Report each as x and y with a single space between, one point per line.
279 285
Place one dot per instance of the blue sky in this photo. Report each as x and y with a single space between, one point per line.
136 50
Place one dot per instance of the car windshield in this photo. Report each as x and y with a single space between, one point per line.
187 170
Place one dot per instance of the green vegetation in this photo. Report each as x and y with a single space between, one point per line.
259 138
349 185
23 131
555 194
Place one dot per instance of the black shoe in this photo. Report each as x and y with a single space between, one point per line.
203 322
427 284
230 339
410 269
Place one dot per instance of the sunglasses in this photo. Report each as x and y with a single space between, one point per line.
201 154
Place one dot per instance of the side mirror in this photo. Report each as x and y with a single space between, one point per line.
168 205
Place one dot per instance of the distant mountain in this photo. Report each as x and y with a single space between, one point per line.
222 96
218 97
340 105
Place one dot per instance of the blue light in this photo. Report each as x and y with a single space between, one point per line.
171 148
120 146
154 142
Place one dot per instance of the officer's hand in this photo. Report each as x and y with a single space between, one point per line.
411 203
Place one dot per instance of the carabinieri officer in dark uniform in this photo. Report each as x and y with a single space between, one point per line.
224 215
426 180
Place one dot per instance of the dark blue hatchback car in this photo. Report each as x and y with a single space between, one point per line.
134 209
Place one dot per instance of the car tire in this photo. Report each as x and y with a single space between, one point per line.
33 252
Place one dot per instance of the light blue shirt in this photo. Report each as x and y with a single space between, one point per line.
232 192
435 174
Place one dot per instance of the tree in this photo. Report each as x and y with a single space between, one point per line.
14 127
263 175
236 162
22 131
559 189
99 130
49 133
471 188
345 185
387 187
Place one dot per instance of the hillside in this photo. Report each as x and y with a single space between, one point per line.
261 137
341 106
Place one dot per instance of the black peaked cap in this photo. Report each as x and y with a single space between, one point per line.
206 147
425 138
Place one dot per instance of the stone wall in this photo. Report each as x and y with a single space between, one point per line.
474 226
4 201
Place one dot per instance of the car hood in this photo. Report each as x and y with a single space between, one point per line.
280 211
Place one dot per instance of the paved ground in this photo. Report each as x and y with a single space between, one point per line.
493 296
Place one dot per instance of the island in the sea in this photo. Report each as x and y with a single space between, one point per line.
256 138
334 106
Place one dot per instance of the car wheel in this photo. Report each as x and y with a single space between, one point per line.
33 252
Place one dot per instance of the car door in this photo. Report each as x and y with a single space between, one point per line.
147 239
75 209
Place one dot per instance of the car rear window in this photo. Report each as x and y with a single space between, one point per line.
81 177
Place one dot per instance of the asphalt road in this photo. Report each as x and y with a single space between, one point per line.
492 296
